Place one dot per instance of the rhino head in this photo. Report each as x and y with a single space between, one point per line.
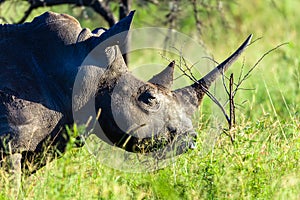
141 116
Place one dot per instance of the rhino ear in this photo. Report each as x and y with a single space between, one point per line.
116 65
164 78
116 35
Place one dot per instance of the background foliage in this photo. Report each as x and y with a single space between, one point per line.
263 163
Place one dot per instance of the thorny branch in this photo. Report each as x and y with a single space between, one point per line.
231 107
188 73
242 78
246 76
231 91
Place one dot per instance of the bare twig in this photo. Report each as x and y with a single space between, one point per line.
241 71
231 104
224 85
213 98
188 73
191 77
246 76
255 40
211 59
232 92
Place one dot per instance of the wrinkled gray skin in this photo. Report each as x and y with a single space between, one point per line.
39 62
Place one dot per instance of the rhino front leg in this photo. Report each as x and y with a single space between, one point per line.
14 161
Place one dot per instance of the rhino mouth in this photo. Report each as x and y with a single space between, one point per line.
178 145
171 141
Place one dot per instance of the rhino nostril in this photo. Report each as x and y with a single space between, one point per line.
192 145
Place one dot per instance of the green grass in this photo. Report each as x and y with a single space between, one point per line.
264 161
260 165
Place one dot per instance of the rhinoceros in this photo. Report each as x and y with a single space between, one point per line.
43 83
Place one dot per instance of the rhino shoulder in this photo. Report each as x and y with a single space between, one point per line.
52 17
63 26
48 26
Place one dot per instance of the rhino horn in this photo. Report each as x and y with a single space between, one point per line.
195 92
117 34
165 77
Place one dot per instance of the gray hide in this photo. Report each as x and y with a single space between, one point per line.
39 62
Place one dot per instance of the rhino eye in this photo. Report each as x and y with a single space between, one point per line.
148 101
147 98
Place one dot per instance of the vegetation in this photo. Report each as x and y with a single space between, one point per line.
264 160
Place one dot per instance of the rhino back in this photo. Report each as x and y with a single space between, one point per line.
38 64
